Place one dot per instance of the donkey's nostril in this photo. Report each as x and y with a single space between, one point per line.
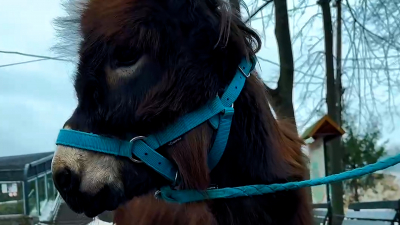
65 180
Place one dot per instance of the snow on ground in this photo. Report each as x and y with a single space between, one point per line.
96 221
47 211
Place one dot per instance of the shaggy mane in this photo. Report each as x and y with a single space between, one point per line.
198 44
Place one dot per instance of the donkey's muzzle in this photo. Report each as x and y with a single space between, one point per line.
66 180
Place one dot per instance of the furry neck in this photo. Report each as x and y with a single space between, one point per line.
260 151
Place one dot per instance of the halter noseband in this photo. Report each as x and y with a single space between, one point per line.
218 112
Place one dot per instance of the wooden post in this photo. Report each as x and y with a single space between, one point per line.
323 131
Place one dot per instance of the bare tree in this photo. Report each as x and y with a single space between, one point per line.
282 95
332 94
370 65
370 72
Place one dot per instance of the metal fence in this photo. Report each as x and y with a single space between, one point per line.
39 191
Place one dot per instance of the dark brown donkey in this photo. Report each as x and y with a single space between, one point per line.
142 65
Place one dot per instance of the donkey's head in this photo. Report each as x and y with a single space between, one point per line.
142 65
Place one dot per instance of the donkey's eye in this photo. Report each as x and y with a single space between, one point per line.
126 57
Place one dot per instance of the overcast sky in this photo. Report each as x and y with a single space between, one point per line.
37 98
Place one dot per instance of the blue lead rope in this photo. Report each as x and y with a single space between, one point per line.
185 196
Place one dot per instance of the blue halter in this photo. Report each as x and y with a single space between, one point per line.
218 112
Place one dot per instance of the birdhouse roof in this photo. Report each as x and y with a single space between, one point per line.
324 127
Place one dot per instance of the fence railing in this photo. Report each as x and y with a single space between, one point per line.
39 191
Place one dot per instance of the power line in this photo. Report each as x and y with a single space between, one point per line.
25 62
36 56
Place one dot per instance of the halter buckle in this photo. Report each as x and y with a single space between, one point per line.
244 74
157 194
133 140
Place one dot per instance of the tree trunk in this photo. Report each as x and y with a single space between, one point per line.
356 197
338 79
334 146
281 98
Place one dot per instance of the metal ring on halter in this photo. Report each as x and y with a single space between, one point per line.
133 140
157 194
175 183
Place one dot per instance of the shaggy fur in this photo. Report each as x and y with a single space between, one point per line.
147 210
193 49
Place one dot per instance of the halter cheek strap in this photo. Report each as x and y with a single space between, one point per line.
218 112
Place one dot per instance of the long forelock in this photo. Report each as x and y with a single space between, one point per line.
68 30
